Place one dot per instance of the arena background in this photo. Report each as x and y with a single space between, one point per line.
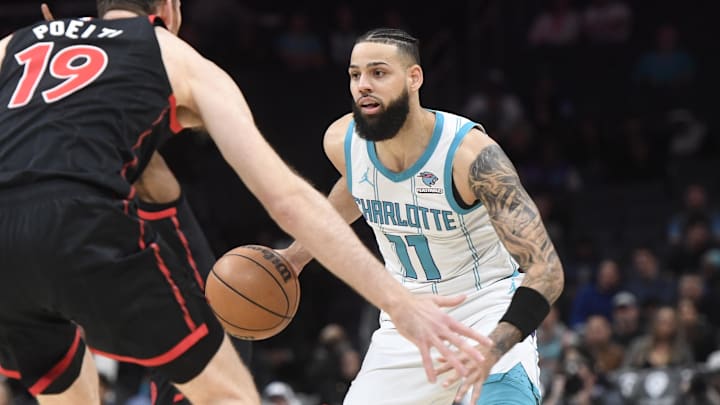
608 110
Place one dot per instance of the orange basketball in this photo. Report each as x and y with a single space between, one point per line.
253 291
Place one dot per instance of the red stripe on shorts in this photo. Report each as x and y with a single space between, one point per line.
156 215
175 125
55 372
188 252
10 373
176 291
166 357
153 393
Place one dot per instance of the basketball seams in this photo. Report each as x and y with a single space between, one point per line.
248 298
287 299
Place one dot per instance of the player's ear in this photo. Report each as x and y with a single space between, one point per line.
164 10
415 77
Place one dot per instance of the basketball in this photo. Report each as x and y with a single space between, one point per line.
253 291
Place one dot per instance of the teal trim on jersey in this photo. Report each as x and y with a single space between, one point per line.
376 193
348 149
511 388
412 170
459 136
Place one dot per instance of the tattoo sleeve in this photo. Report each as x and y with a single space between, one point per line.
495 182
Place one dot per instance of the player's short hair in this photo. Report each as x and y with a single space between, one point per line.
137 6
406 43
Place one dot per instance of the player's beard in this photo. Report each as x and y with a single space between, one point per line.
386 124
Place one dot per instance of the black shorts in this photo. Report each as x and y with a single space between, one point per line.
177 224
73 256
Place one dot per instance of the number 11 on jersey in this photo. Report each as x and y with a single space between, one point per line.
422 250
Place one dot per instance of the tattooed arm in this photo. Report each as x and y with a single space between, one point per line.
483 172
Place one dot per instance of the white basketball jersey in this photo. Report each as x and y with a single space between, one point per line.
427 239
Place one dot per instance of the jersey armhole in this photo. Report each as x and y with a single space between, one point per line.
453 198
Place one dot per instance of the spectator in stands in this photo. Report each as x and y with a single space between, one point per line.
695 205
665 76
333 365
606 354
577 383
699 334
663 346
697 240
342 35
650 287
626 321
668 65
596 298
298 47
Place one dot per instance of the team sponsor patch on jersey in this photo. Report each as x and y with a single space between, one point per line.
428 179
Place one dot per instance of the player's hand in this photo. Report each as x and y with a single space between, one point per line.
297 258
476 376
426 325
45 10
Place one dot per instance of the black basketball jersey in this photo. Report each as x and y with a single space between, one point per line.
84 100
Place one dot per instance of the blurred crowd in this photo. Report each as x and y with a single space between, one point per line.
605 106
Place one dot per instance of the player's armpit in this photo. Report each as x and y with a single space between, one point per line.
494 181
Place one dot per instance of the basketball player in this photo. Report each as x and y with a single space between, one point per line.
163 205
450 216
79 103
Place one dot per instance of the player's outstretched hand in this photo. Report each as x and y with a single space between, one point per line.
45 10
427 326
477 372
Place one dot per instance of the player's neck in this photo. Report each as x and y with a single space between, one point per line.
117 14
402 151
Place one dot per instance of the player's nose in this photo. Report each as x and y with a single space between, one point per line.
364 85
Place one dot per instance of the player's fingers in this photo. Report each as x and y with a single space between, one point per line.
464 387
427 363
477 389
451 357
454 378
45 10
450 301
445 366
464 347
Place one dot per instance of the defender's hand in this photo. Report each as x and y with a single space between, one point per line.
423 322
477 373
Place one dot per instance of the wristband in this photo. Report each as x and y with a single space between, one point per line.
527 310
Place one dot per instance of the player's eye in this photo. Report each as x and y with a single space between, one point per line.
354 75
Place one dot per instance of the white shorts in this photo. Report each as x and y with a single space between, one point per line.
392 372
